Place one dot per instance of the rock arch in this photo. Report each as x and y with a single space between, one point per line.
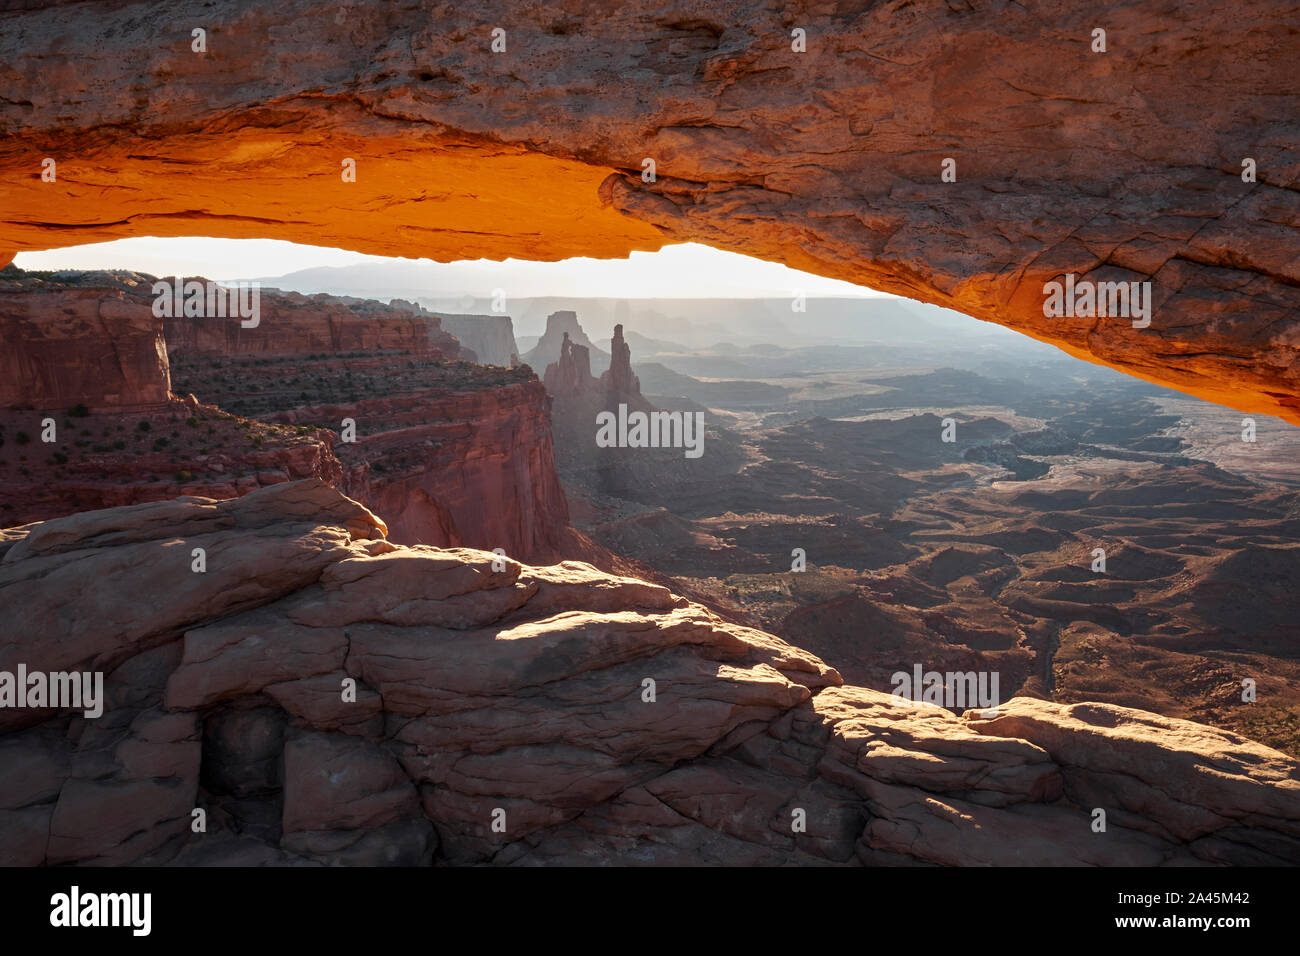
1117 166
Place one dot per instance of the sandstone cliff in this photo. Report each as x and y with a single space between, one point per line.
67 346
455 467
490 337
1168 158
87 416
93 338
599 719
291 323
453 453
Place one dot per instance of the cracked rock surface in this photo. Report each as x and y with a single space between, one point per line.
1118 166
325 696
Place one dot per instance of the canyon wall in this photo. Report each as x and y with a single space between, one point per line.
64 347
960 154
491 692
291 323
87 416
490 337
449 468
454 453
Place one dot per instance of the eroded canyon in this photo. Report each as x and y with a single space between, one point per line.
367 587
330 688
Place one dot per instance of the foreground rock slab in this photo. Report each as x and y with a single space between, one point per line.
324 696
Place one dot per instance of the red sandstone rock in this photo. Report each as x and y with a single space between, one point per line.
541 710
93 338
341 782
291 323
457 466
570 376
1118 165
469 467
569 379
72 346
114 464
579 396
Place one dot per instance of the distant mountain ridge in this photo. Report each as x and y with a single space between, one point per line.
690 322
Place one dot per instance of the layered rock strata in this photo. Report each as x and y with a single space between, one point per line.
326 696
67 346
473 466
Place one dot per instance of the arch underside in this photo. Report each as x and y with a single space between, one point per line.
1124 166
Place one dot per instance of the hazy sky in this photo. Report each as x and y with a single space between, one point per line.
681 271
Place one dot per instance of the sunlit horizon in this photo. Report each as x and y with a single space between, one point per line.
686 270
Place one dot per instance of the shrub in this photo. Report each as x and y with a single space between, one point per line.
22 438
142 426
78 411
184 476
119 444
59 458
193 422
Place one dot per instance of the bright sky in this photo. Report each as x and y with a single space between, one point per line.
681 271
